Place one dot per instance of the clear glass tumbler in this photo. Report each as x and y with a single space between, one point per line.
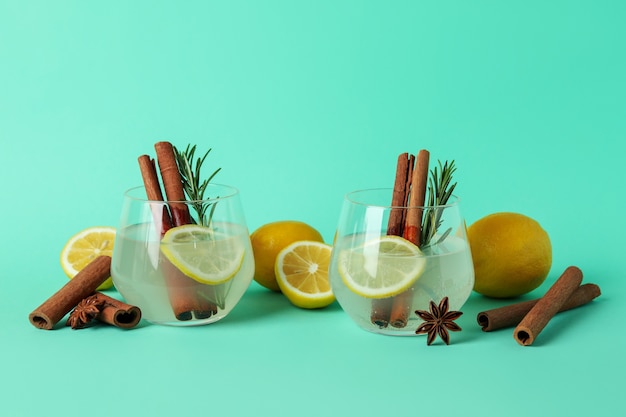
190 274
380 280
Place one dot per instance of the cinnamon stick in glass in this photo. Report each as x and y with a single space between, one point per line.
401 307
172 183
175 193
162 219
181 289
512 315
81 286
540 314
174 279
413 227
381 307
400 196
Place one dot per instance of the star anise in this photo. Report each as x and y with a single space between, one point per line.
438 321
84 312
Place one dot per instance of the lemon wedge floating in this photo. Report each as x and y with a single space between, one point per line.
381 267
203 254
302 274
84 247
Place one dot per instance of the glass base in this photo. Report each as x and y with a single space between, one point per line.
186 323
408 330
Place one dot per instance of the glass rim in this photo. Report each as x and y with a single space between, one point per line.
232 191
453 201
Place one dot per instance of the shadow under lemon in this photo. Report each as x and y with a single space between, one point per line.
259 304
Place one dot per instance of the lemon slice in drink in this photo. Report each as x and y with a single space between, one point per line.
381 267
205 255
302 274
84 247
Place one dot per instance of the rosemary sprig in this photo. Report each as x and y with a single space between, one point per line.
190 174
440 189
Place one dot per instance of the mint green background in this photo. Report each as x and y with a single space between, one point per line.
301 103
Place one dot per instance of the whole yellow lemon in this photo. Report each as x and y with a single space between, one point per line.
269 239
512 254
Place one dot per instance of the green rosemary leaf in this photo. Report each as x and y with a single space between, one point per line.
439 192
212 175
444 235
190 175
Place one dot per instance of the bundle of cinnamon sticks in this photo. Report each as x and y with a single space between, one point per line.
531 317
188 298
405 220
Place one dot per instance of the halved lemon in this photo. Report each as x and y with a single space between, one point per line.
302 274
203 254
84 247
381 267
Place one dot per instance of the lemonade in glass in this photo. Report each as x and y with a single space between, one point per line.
186 275
381 279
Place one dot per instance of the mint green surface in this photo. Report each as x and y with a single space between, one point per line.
301 103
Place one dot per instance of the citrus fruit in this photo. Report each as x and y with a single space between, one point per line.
205 255
84 247
512 254
302 274
270 239
381 267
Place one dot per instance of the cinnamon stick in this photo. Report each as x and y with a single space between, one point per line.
172 182
381 307
182 290
173 185
81 286
512 315
413 228
395 224
540 314
401 307
117 313
174 279
153 192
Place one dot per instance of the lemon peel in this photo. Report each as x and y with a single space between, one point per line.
205 255
381 267
85 246
302 274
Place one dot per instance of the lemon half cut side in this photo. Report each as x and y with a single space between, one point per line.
203 254
85 246
302 274
381 267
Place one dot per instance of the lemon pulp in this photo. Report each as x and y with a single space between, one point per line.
203 254
84 247
302 274
382 267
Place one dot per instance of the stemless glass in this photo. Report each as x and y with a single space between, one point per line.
187 275
446 262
